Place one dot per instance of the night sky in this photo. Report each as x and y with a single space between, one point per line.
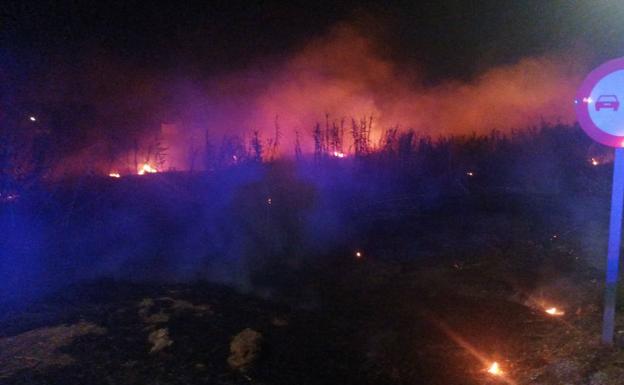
447 38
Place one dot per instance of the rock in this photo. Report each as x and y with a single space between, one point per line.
41 348
244 349
162 309
160 317
159 340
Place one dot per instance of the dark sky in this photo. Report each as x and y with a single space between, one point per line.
449 38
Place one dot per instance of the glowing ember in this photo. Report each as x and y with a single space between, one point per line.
114 175
146 168
495 369
338 154
358 254
32 119
470 173
554 311
594 162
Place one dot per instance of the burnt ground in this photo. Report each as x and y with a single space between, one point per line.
434 299
399 330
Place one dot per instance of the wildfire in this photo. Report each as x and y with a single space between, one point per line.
114 175
147 169
495 369
553 311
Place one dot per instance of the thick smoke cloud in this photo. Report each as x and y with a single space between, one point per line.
343 75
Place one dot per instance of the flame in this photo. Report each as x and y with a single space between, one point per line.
338 154
114 175
358 254
594 162
146 168
470 173
495 369
554 311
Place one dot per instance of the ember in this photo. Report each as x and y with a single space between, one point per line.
594 162
338 154
114 175
358 254
147 169
554 311
470 173
495 369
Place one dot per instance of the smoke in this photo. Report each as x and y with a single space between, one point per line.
344 75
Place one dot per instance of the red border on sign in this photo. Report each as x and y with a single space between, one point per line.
582 108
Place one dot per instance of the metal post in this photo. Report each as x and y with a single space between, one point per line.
613 253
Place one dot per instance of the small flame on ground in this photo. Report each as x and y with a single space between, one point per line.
470 173
146 168
114 175
32 119
554 311
594 162
495 369
338 154
358 254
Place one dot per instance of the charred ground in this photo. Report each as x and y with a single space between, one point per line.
462 242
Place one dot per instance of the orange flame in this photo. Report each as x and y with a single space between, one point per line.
114 175
146 168
553 311
495 369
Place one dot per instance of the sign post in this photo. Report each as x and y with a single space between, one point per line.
613 253
597 106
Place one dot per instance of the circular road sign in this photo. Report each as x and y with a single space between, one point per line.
599 104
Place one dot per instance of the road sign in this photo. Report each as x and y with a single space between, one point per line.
597 106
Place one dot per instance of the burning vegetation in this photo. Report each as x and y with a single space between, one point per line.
325 215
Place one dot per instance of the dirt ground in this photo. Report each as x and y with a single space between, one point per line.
433 299
372 322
